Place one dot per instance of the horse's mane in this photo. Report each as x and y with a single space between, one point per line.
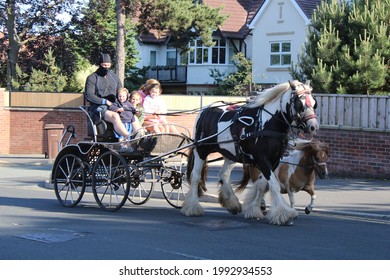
309 145
269 95
272 94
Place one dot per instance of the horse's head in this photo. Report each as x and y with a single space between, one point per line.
319 158
302 107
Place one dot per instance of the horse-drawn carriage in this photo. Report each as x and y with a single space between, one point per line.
116 172
255 133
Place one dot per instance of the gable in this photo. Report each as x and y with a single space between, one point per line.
305 9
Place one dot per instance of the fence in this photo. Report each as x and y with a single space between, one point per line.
335 111
356 127
340 111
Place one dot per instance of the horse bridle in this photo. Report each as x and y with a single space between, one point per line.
308 168
296 97
316 166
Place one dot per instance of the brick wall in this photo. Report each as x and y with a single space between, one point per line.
353 153
27 129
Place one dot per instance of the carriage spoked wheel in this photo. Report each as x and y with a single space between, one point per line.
142 181
69 180
174 184
110 181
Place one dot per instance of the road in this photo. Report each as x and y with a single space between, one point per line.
34 226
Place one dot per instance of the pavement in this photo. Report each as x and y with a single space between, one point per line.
367 198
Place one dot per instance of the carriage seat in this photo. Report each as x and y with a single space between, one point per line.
98 128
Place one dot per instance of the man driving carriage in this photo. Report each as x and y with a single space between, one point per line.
101 88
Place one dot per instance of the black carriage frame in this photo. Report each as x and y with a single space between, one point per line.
117 172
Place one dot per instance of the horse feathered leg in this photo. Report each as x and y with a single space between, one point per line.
254 198
280 213
227 197
191 205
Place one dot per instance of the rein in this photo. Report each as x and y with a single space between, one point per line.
196 110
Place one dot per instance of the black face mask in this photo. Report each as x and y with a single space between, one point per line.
102 71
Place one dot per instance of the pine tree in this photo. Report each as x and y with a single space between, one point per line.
348 48
50 80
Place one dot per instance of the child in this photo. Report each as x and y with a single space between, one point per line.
155 109
126 111
136 99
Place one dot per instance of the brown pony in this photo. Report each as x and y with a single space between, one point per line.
296 172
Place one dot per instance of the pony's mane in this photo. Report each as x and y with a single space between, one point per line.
304 145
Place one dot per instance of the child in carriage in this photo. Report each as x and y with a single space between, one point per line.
126 111
155 109
136 99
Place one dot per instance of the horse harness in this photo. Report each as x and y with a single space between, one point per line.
308 167
238 133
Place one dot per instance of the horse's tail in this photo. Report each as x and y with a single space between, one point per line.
241 186
190 165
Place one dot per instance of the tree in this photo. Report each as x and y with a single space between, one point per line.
94 30
27 20
236 83
120 39
50 79
182 20
99 28
348 48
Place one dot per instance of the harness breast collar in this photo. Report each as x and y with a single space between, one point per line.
258 130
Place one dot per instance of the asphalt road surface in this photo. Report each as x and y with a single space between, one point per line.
34 226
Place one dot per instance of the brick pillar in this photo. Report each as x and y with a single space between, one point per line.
5 117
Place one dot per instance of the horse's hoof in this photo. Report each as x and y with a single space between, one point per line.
307 210
234 212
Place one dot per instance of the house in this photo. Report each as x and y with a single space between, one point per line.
268 32
278 33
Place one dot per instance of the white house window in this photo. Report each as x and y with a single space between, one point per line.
171 55
200 54
280 54
218 52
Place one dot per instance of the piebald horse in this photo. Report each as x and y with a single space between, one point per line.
256 133
297 171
